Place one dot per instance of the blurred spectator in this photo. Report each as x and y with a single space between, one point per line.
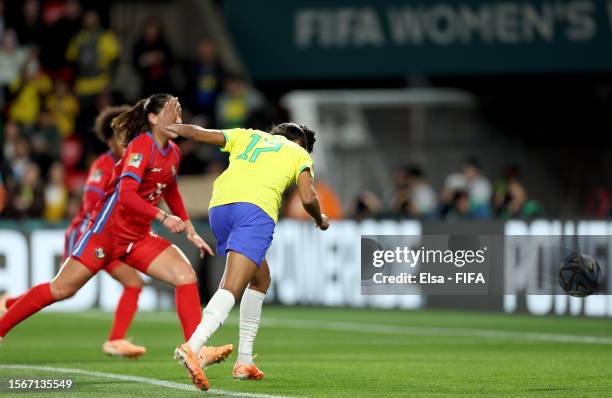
66 27
599 203
510 196
56 194
12 134
12 58
64 108
475 184
459 207
398 201
328 200
422 197
29 27
45 141
27 198
366 205
237 103
152 58
20 160
94 50
204 79
28 91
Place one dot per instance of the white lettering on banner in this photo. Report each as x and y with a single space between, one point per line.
504 22
342 27
528 253
14 274
323 268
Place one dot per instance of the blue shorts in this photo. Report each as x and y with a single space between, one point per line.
244 228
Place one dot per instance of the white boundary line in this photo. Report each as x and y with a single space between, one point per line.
138 379
356 327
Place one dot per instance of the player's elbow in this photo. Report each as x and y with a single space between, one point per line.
309 199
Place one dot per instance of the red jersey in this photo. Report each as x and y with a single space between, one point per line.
155 170
100 174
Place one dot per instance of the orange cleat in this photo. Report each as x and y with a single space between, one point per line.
123 348
247 372
212 355
188 358
3 298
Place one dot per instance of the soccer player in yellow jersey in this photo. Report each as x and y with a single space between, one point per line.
243 213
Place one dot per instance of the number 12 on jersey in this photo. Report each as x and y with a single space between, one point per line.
264 147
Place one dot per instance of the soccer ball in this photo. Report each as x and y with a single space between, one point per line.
579 275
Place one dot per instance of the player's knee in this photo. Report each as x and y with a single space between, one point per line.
185 275
63 292
135 282
261 284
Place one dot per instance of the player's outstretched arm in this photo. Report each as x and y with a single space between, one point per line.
308 195
175 202
170 114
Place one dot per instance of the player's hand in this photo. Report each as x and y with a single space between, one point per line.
174 224
324 224
200 244
170 115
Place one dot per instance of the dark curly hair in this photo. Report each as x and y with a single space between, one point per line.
297 133
135 120
102 126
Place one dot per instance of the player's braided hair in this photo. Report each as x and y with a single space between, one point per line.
296 132
102 127
135 121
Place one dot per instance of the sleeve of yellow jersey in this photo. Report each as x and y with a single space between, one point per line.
232 137
304 162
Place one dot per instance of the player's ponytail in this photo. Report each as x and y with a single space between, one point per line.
135 121
310 137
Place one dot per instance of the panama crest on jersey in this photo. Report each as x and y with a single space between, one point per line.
135 160
99 252
96 176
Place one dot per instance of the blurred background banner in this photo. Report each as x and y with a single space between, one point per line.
327 272
316 39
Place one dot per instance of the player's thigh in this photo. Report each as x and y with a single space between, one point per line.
261 280
125 274
173 267
70 278
239 271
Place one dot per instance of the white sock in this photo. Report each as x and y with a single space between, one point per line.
213 316
250 316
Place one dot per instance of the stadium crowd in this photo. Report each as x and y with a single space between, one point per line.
56 67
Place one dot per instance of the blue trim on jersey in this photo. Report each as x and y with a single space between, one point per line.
163 152
71 239
106 211
83 226
81 245
130 174
94 189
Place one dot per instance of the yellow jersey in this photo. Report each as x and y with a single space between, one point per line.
262 166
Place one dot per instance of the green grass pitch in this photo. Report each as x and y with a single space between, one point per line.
318 352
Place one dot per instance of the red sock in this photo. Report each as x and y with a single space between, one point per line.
33 301
188 307
124 314
12 300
